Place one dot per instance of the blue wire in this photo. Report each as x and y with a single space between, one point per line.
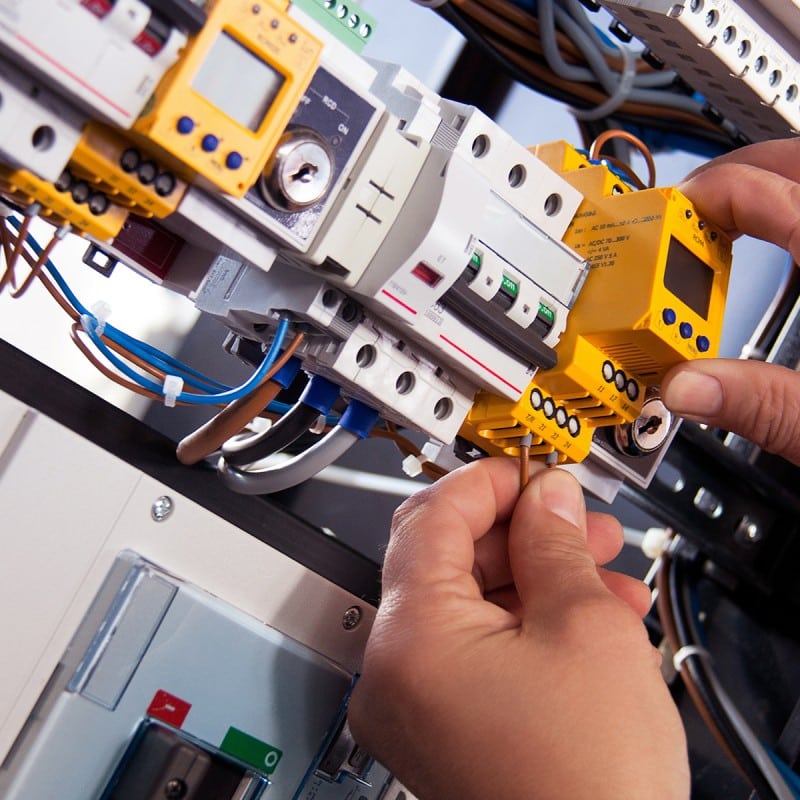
147 352
787 773
153 355
90 326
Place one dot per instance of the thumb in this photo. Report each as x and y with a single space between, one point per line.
758 401
550 559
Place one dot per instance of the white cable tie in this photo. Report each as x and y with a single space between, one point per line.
412 465
620 94
319 425
88 322
173 386
101 311
688 651
655 541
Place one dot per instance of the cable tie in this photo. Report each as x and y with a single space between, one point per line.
88 322
688 651
412 465
101 311
173 386
319 425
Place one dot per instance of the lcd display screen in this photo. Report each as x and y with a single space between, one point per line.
237 82
688 278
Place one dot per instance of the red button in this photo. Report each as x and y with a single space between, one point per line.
168 708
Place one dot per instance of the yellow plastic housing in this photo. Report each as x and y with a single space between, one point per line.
219 111
654 297
139 183
59 207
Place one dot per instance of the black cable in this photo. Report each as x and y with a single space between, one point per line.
241 451
679 591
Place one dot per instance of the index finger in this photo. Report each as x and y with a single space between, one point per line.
434 532
761 199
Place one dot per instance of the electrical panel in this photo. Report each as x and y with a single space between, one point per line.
450 278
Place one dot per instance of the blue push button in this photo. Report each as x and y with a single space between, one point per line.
233 160
702 344
185 125
686 330
669 316
210 143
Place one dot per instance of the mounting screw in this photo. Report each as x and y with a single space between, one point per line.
162 508
351 618
174 788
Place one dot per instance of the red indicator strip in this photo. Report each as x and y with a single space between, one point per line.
398 301
480 364
50 60
264 757
168 708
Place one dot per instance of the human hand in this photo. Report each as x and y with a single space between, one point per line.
753 191
504 662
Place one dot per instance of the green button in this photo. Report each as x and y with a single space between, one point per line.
258 754
476 260
547 313
510 286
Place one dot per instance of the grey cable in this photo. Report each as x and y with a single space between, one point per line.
289 473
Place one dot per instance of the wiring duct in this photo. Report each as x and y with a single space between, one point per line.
712 702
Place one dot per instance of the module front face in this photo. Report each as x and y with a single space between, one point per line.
220 111
654 297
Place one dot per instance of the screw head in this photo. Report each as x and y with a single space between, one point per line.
162 508
174 788
352 618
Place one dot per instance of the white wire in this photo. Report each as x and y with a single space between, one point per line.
620 94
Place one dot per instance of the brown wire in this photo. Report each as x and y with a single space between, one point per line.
671 633
5 241
37 267
408 448
607 136
524 465
235 416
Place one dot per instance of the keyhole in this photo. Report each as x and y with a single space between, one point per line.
651 426
306 173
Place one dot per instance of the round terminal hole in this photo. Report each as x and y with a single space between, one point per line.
517 175
353 21
791 93
443 408
365 30
712 18
365 357
480 145
342 11
760 64
695 6
729 34
552 205
44 137
743 50
775 77
405 382
329 298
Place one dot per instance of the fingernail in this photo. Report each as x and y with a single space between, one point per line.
693 394
562 494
